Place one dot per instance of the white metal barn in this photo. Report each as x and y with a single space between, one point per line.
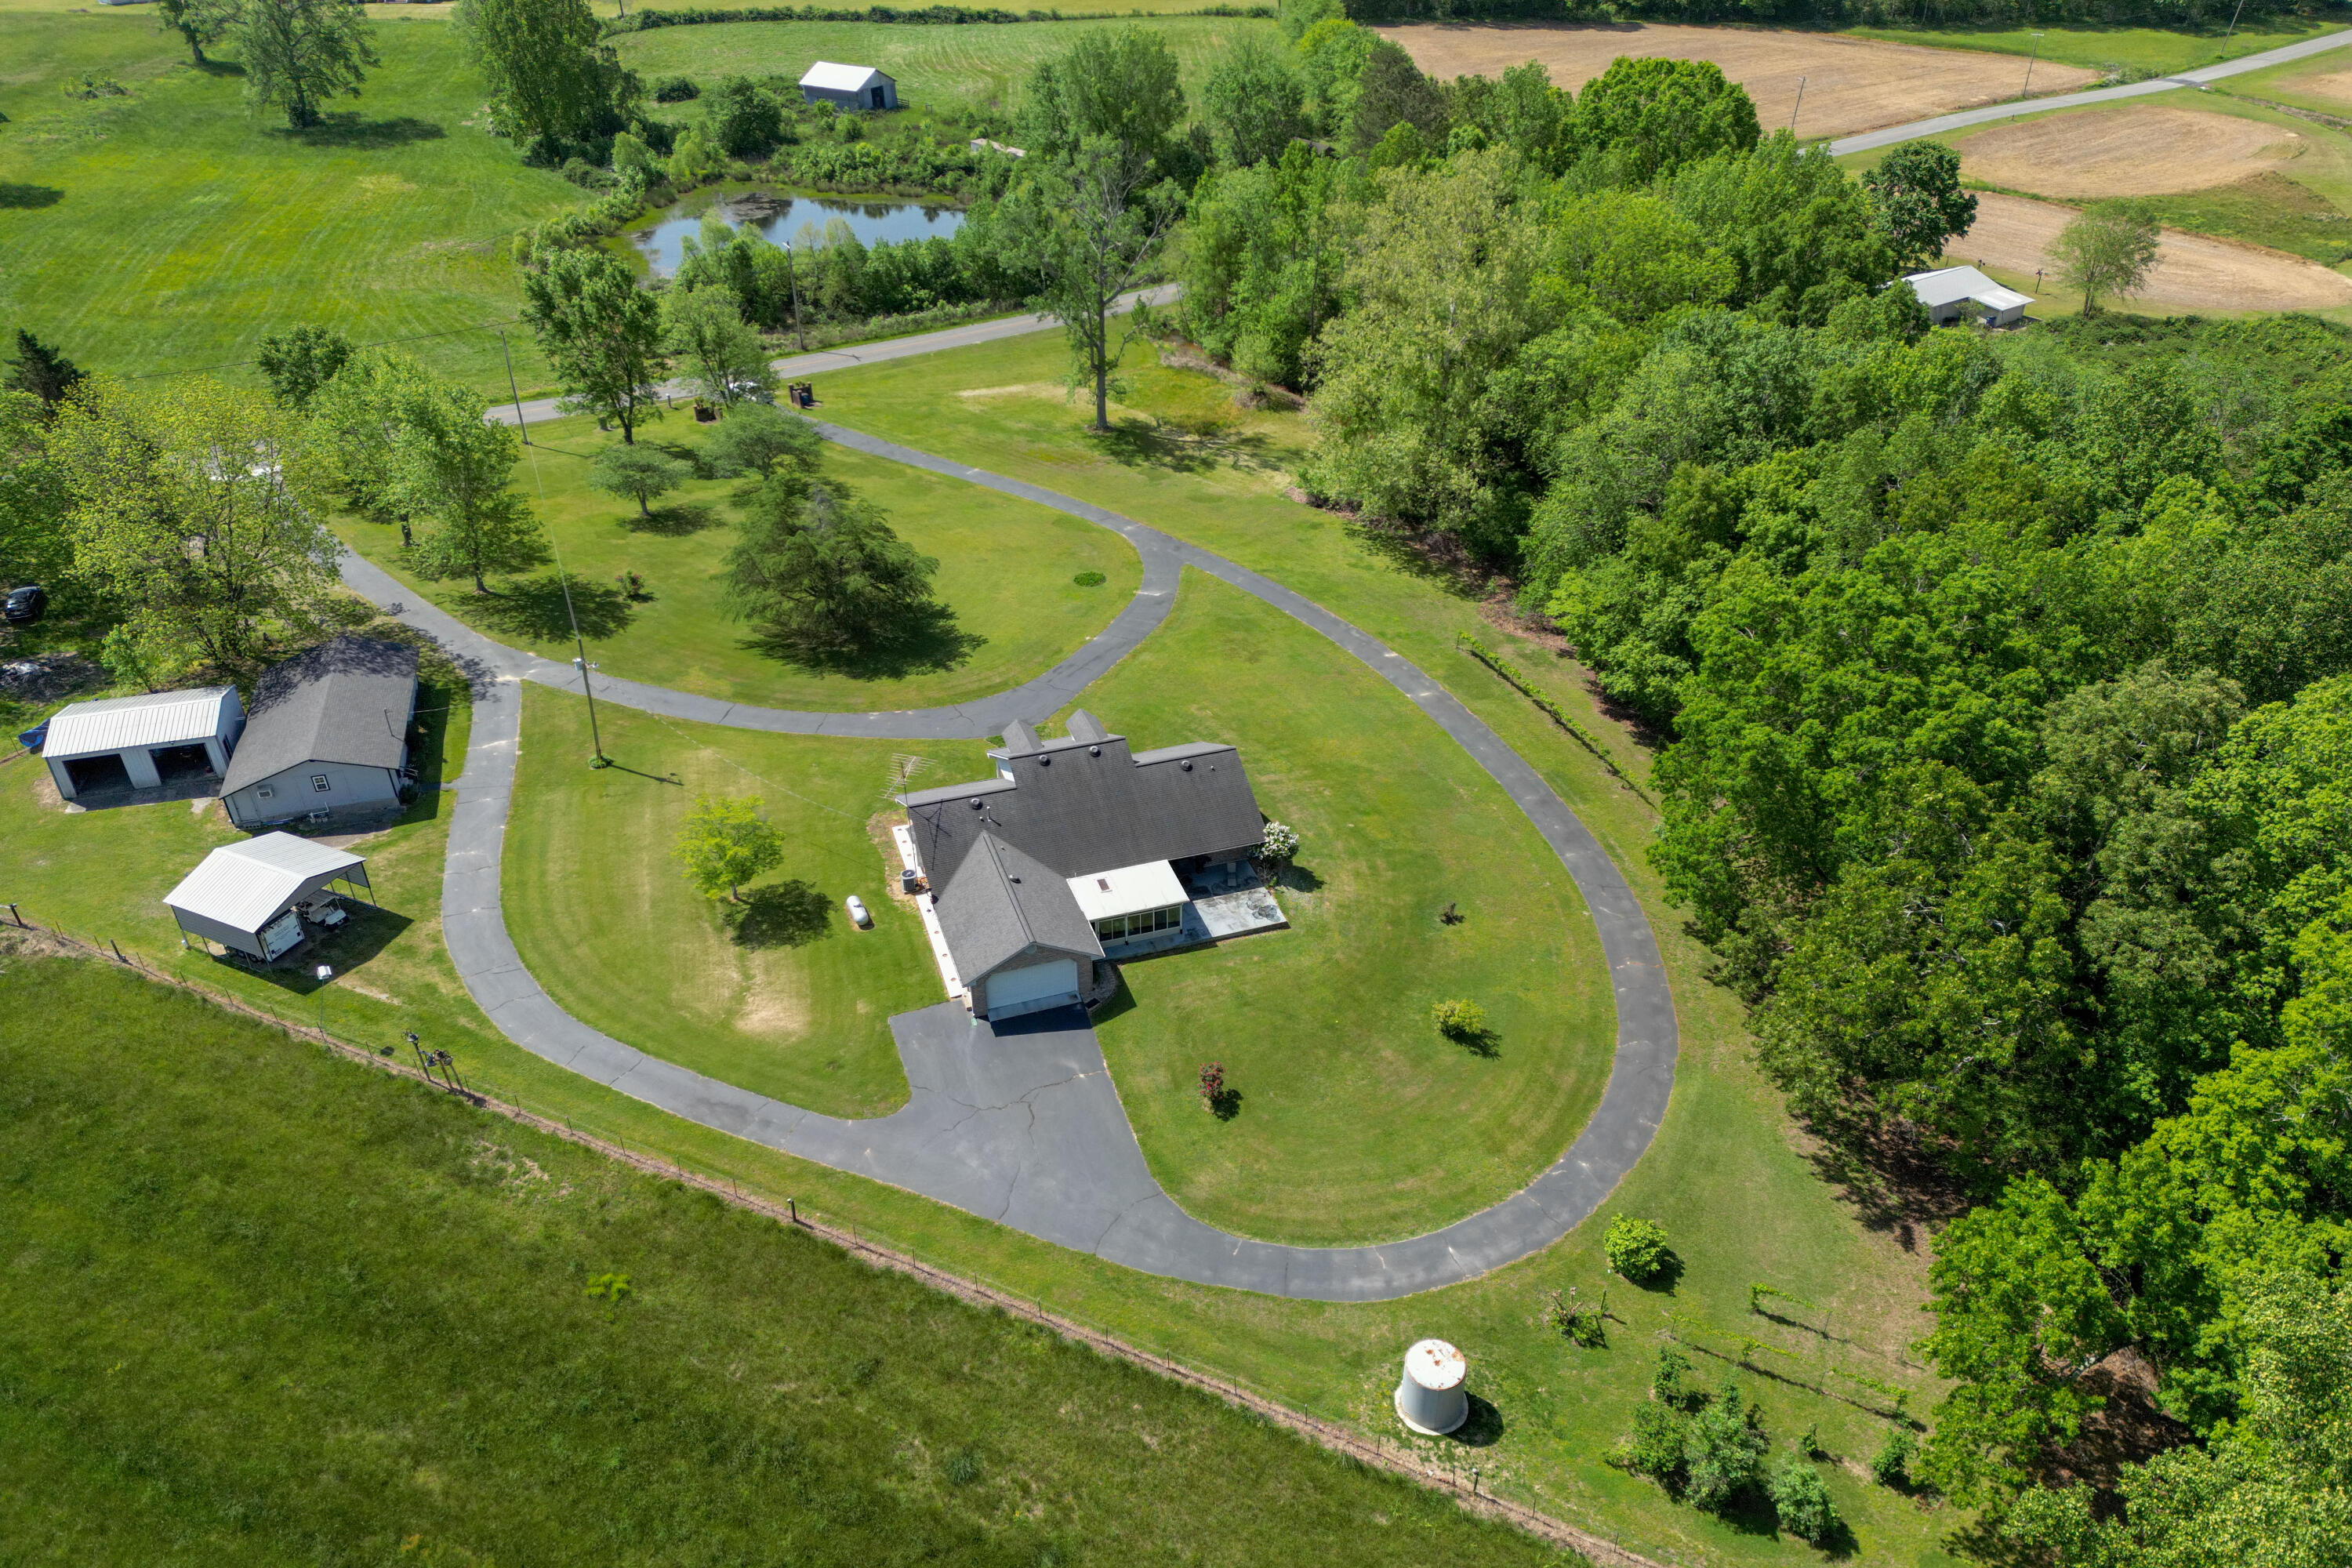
851 87
122 743
253 897
1948 292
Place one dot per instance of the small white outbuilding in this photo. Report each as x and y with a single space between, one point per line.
851 87
1949 292
124 743
253 897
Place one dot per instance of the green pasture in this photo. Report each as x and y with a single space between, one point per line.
980 64
780 994
170 229
2301 84
2142 52
265 1307
1745 1198
1356 1121
1007 573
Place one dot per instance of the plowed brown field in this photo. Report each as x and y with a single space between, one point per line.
2140 151
1851 84
2192 272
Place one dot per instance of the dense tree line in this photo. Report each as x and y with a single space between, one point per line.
2003 684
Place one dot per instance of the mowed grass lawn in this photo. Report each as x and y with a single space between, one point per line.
780 996
1008 571
2152 51
170 229
1358 1122
265 1307
978 65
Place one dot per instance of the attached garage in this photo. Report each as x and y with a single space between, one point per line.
122 744
1033 988
262 896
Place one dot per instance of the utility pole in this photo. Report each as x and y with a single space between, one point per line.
2234 20
2031 57
1801 103
596 736
513 388
792 280
324 974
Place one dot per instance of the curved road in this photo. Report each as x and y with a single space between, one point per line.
1021 1123
1868 140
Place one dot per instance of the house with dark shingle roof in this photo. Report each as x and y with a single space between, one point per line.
328 731
1077 851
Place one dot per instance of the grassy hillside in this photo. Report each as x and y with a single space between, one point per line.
267 1307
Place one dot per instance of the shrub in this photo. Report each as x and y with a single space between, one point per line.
1801 1500
1212 1083
1089 579
1891 1466
1671 1383
675 90
1581 1322
1637 1248
1460 1020
1655 1447
1281 844
1723 1450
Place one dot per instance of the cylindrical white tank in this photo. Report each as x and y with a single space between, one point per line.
1430 1397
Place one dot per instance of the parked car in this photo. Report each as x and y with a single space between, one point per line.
32 739
858 915
25 605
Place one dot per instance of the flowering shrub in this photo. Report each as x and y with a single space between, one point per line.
1281 843
1212 1083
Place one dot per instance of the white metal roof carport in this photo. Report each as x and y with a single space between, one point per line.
241 889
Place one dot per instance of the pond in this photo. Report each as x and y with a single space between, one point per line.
782 218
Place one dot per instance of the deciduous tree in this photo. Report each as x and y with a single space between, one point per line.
704 330
198 23
298 362
2110 249
456 469
601 334
300 54
725 842
550 75
1647 117
1253 102
637 473
756 439
1915 196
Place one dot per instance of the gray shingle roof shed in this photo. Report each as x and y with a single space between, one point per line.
348 700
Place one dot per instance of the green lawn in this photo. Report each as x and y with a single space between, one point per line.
2319 83
784 996
1007 571
1358 1122
264 1306
170 230
2142 52
981 65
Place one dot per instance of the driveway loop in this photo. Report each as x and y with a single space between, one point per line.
1020 1122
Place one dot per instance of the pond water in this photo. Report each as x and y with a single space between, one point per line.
781 219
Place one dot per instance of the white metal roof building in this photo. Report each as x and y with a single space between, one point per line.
249 896
141 743
851 87
1949 292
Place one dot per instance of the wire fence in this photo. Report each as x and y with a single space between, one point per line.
1461 1482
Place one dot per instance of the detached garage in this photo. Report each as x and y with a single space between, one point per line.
125 744
254 897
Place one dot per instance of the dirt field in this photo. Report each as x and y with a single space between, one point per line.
2193 273
1851 84
2141 150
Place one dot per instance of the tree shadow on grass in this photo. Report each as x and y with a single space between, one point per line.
349 130
673 522
927 641
782 914
1160 444
1485 1044
219 68
532 608
1296 877
21 196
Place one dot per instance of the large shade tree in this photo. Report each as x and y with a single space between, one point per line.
820 571
551 76
298 55
600 331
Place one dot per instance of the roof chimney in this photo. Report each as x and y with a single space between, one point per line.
1085 726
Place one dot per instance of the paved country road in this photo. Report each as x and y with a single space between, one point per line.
1021 1123
1868 140
801 367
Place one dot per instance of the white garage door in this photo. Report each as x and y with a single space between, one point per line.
1012 992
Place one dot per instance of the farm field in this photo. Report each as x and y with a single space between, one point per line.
1007 574
2132 150
2194 272
266 1306
1851 84
2138 52
977 65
